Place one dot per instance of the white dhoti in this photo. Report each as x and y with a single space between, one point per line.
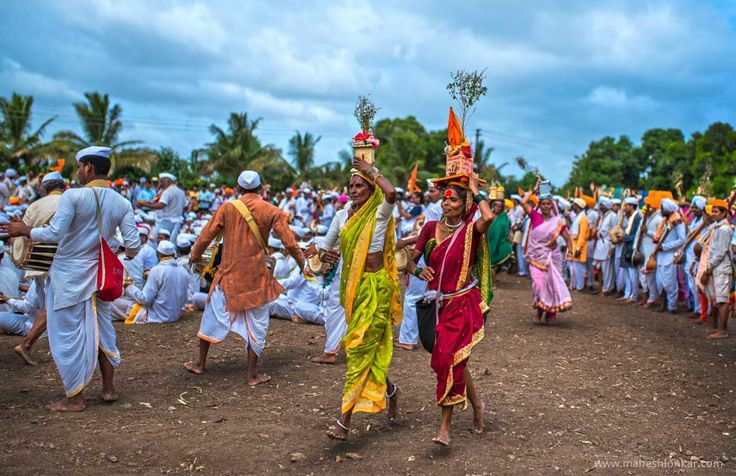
281 308
76 334
120 308
217 323
409 330
334 315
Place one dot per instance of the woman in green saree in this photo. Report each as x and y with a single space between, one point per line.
369 292
499 245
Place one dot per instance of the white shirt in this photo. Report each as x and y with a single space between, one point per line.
302 290
165 292
603 245
383 215
175 200
433 212
73 273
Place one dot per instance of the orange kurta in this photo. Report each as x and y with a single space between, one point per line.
243 275
580 242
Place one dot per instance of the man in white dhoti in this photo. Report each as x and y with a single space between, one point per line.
166 288
81 335
19 320
603 248
243 284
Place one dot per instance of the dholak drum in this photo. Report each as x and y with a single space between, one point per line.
35 256
317 267
402 258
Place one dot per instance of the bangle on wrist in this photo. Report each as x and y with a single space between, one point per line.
478 198
418 271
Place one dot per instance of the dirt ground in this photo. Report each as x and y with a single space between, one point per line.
606 384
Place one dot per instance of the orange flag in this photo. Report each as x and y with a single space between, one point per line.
58 167
455 134
412 185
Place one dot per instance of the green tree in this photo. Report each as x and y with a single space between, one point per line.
237 147
606 162
20 145
101 125
714 151
301 148
664 155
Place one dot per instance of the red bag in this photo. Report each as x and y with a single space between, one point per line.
109 268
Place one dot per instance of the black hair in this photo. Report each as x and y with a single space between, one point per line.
420 195
51 185
181 251
101 164
249 190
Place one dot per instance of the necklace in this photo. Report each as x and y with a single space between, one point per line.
451 227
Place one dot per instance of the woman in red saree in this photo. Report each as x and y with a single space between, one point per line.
459 269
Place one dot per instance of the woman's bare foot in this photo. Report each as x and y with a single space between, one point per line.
442 438
393 404
337 432
194 367
23 354
66 405
406 346
325 358
259 379
478 418
717 335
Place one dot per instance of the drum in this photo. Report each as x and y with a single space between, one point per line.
35 256
317 267
402 258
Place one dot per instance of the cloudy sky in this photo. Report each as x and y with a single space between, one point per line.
560 73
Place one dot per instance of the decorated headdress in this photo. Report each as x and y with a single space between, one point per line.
466 88
496 191
365 143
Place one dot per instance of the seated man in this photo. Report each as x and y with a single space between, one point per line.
165 292
301 300
195 298
20 320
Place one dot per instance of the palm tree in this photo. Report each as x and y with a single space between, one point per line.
235 149
301 147
18 145
102 125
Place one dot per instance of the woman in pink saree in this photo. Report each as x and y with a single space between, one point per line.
550 294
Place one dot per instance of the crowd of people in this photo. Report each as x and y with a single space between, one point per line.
358 261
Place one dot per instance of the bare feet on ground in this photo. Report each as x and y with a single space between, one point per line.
66 405
406 346
324 359
478 418
442 438
336 432
23 354
194 367
109 397
717 335
298 320
258 379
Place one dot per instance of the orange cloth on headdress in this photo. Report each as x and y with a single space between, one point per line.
455 135
719 202
534 199
590 201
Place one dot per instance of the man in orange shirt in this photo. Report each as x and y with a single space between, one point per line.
243 284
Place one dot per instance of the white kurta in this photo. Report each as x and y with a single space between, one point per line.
78 323
165 292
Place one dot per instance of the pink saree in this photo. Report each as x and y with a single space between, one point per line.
549 290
